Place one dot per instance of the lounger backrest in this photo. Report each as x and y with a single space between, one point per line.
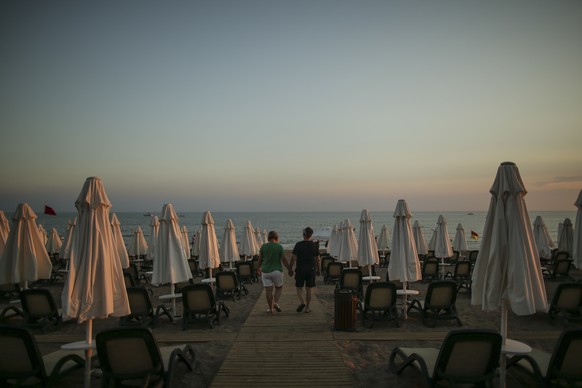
562 255
334 269
441 294
19 354
324 262
351 278
431 267
562 267
139 302
468 356
38 303
244 268
463 269
198 297
380 296
128 353
568 296
226 280
566 358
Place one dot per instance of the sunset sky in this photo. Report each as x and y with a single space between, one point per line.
315 105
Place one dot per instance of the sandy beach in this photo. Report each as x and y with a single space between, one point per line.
364 351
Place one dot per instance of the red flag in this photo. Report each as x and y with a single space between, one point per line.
474 235
49 210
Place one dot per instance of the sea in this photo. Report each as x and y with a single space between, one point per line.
289 225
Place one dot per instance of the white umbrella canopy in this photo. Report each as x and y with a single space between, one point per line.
542 238
566 239
94 288
384 239
186 241
348 249
443 248
25 258
196 245
65 252
332 242
209 255
404 264
460 241
118 241
171 266
259 237
508 271
153 242
419 240
228 248
138 245
336 245
42 233
53 245
4 231
367 246
432 241
248 244
265 236
577 249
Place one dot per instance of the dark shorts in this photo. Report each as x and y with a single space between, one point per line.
305 277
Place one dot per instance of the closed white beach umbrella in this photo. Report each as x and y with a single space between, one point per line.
186 241
433 240
4 230
419 240
332 242
259 237
384 240
248 244
25 258
460 241
508 271
138 245
265 236
443 247
228 248
560 228
42 233
577 249
196 245
209 255
542 238
94 288
367 246
566 239
171 266
118 241
53 245
65 252
153 242
349 244
404 264
336 246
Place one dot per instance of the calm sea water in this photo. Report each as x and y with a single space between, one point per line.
290 224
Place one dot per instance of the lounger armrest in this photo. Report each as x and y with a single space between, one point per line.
15 312
530 362
407 360
163 309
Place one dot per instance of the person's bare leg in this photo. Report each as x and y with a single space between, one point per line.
300 295
278 291
307 298
269 296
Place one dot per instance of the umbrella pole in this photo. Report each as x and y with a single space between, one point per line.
172 291
503 330
88 353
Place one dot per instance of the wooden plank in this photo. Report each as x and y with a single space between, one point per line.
284 350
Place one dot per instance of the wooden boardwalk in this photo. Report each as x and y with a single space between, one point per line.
284 349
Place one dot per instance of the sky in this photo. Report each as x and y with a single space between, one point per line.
314 105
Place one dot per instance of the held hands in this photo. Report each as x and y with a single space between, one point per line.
291 272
